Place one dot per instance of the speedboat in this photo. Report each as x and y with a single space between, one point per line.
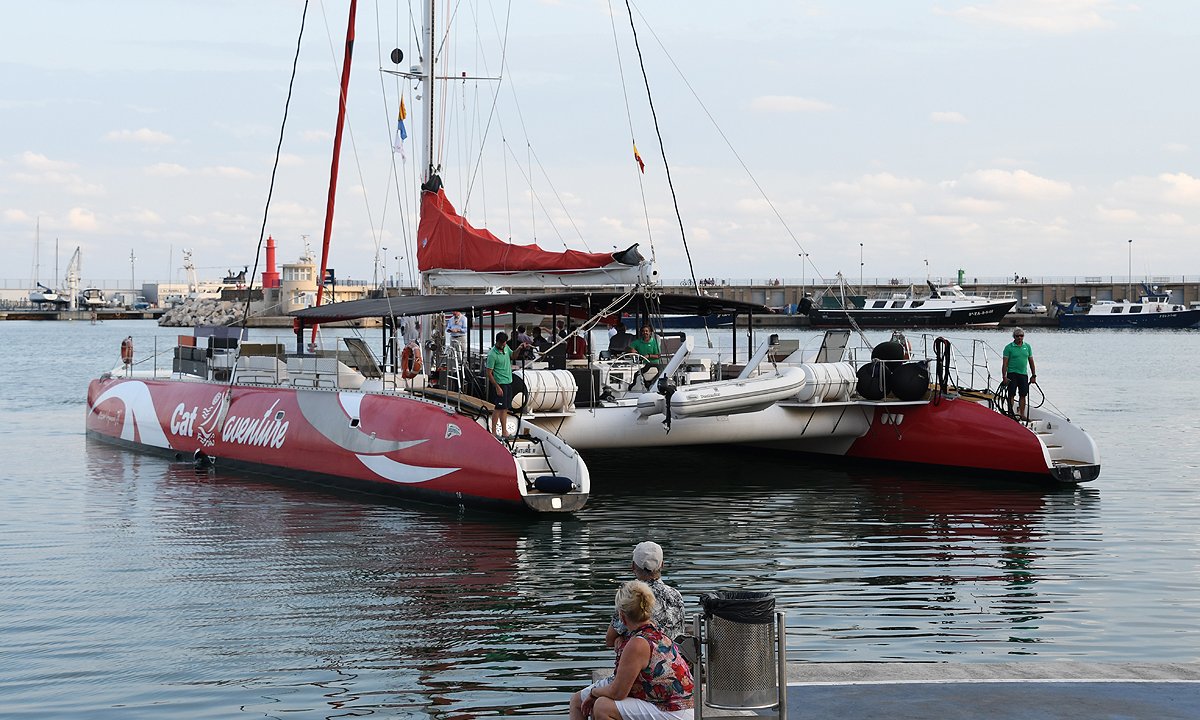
1154 309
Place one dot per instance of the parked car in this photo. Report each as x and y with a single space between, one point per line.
1031 308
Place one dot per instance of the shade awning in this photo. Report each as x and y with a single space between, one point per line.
545 303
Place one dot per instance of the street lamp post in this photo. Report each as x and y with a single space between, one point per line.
803 263
860 269
381 264
1129 277
399 272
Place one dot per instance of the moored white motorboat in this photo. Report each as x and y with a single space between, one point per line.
1154 309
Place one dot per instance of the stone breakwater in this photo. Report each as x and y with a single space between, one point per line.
203 311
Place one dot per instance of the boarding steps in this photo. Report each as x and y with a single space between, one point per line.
1044 429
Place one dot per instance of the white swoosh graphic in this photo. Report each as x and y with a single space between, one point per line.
139 413
399 472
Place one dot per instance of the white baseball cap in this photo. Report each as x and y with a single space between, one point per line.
648 556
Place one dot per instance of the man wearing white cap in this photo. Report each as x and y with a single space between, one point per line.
667 615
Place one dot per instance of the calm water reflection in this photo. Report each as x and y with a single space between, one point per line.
134 587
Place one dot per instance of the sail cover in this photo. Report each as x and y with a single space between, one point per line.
446 241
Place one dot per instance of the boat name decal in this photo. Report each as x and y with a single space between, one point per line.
182 421
270 430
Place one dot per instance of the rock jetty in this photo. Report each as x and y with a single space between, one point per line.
203 311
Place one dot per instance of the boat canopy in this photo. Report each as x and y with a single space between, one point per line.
546 303
446 241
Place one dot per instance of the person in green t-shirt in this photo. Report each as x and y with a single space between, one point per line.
499 374
1019 370
646 345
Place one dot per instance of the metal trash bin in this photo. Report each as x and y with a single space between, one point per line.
743 659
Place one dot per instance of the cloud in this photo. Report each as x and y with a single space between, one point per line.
1017 184
227 171
144 136
1117 215
139 217
166 170
81 219
1181 188
320 136
41 170
879 183
1057 17
953 118
16 216
975 206
788 103
1176 147
41 163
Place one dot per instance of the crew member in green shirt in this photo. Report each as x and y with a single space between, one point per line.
1019 370
646 345
499 375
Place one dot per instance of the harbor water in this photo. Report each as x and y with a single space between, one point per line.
132 587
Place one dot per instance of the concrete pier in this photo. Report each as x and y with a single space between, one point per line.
1034 690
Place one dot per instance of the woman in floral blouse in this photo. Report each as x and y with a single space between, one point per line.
652 680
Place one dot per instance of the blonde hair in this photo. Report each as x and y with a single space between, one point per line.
636 600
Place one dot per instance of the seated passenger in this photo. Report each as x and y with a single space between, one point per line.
577 348
618 344
647 346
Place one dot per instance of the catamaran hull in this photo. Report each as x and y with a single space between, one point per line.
957 433
383 444
989 314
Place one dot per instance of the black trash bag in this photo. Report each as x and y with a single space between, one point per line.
741 606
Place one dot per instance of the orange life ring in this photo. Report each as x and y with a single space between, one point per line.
127 351
410 362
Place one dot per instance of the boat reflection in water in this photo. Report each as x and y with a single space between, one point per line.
286 599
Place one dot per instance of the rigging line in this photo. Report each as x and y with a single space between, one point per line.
629 120
720 132
262 231
495 99
393 171
662 149
561 204
350 130
535 198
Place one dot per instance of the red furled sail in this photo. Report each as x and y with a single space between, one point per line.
446 241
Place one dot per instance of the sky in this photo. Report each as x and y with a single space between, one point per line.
888 138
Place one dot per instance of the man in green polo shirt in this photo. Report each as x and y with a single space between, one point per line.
1019 370
499 375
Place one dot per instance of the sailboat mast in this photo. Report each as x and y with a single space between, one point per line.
337 153
427 67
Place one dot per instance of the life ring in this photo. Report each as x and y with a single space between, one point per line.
410 362
127 351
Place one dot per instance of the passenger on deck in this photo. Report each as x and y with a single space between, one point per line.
540 342
499 376
652 680
456 329
576 346
618 344
647 346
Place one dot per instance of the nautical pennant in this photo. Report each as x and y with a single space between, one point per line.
637 156
401 132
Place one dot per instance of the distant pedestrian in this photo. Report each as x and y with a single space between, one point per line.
1019 370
